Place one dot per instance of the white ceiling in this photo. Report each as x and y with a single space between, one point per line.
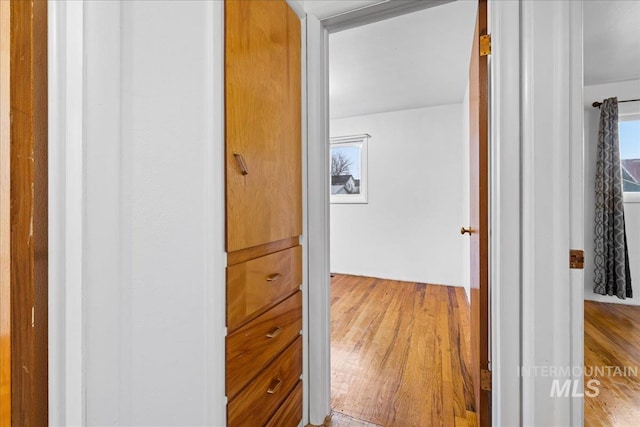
325 8
415 60
611 41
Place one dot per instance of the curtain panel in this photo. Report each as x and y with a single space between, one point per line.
612 273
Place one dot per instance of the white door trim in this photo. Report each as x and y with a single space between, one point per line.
317 221
577 212
505 204
215 208
505 214
551 134
66 214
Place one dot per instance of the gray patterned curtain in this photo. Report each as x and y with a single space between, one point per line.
612 274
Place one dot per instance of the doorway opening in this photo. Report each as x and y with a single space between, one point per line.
399 157
612 304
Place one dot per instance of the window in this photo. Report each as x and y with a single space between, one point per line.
349 169
629 135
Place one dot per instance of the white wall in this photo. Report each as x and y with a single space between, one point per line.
623 90
150 162
410 229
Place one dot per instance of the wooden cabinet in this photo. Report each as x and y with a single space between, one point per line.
263 123
266 393
290 412
259 283
253 346
263 213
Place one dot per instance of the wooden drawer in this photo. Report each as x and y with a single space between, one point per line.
290 412
255 285
253 346
258 402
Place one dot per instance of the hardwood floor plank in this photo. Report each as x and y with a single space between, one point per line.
341 420
399 353
611 336
459 304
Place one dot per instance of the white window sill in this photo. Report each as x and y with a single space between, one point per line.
631 197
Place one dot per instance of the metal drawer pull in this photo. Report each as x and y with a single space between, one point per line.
241 163
275 385
273 277
274 333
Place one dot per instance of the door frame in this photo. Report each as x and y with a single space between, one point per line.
66 214
552 293
577 195
505 210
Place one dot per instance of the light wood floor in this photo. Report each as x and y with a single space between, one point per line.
399 354
612 338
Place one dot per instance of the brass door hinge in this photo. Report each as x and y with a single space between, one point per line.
576 259
485 379
485 45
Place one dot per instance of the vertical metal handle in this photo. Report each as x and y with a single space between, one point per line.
275 332
275 385
241 163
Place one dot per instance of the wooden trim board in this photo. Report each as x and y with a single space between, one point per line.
23 215
5 223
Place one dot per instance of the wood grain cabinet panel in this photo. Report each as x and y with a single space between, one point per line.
263 123
255 285
263 175
252 347
290 412
260 400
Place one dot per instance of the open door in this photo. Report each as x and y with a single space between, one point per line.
479 216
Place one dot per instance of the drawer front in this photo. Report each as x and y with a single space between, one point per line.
253 346
290 412
258 402
255 285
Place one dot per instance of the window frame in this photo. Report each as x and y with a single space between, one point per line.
628 196
361 141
